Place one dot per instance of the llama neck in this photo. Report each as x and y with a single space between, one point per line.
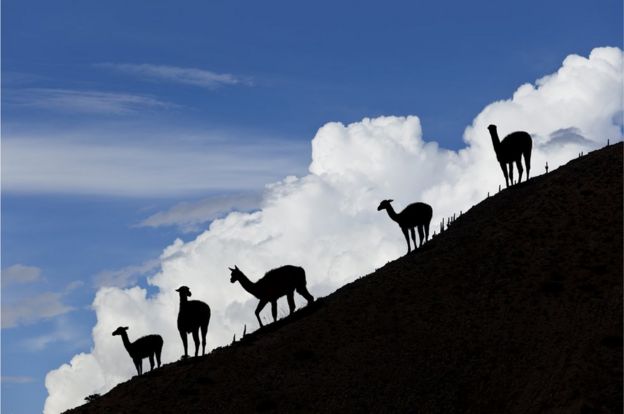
126 341
183 301
495 140
393 215
248 285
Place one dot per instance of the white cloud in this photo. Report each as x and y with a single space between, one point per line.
90 102
190 216
188 76
19 273
327 221
170 163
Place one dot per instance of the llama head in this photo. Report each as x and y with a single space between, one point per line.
235 274
492 129
184 291
384 205
120 331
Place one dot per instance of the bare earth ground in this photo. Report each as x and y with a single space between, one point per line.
517 308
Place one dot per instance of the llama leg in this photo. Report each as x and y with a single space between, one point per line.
196 340
413 234
511 173
404 229
259 308
527 162
274 310
504 168
421 235
158 357
519 166
505 173
291 301
183 336
151 360
139 365
204 329
426 226
303 291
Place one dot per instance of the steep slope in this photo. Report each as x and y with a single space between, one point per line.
517 308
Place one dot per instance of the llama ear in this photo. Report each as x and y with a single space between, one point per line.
236 267
390 201
231 270
125 328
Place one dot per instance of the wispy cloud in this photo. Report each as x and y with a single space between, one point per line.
125 276
16 79
64 331
19 273
97 162
189 216
90 102
23 308
31 309
8 379
188 76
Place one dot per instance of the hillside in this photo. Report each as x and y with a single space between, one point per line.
517 308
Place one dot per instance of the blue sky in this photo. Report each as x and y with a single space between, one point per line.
116 112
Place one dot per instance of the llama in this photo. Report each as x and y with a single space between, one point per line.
193 316
145 347
415 215
510 150
273 285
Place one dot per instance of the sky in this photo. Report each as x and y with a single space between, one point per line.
147 145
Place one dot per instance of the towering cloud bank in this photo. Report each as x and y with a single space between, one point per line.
327 221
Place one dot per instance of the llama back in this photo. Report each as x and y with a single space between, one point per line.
420 213
516 143
282 279
194 313
146 345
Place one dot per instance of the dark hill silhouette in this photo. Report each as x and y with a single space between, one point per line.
517 308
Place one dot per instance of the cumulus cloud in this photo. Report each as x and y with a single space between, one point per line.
326 221
91 102
188 76
190 216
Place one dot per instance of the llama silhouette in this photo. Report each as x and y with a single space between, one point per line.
144 347
415 215
192 316
510 150
276 283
